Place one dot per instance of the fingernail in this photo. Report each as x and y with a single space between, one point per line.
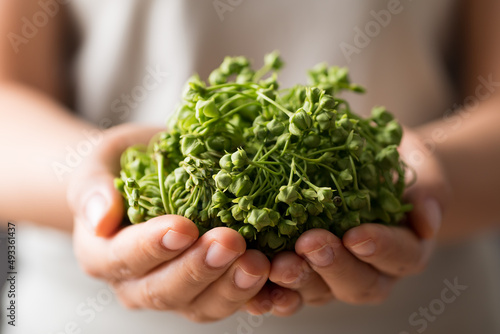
433 213
245 280
219 256
321 257
290 277
173 240
95 209
364 248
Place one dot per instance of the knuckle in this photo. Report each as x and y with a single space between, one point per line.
193 276
151 251
372 293
153 299
118 266
199 316
318 301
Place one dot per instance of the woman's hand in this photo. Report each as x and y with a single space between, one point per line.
362 267
161 264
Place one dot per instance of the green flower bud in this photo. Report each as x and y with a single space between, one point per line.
338 135
330 209
223 180
131 183
135 194
301 120
226 163
388 201
345 123
345 178
294 130
181 176
237 213
246 75
274 241
273 60
203 215
388 157
357 200
225 216
356 144
156 211
220 198
275 127
325 194
217 77
312 140
313 94
191 212
245 203
287 227
326 120
206 109
212 212
136 215
314 208
391 134
381 116
350 220
241 186
191 145
296 210
239 158
157 202
327 102
368 175
218 143
259 218
260 132
309 194
288 194
233 65
248 232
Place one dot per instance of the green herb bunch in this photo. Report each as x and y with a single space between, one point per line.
266 162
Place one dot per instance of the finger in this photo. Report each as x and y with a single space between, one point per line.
349 279
396 251
92 196
281 302
430 193
137 249
291 271
177 283
233 289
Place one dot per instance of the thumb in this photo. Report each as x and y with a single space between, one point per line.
91 194
96 203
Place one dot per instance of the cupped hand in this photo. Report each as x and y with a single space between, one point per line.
362 267
161 264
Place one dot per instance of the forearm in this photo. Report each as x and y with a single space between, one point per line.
468 146
36 135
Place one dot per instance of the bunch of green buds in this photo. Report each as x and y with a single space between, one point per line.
269 163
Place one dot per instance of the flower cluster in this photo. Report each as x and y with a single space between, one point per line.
266 162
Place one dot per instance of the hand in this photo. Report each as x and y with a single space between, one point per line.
160 264
363 266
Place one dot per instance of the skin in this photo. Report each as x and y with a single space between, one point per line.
456 179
